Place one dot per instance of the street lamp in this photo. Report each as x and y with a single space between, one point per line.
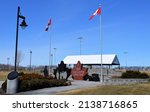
30 59
80 38
23 25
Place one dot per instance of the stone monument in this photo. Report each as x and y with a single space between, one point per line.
78 71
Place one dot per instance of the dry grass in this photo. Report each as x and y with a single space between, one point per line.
146 71
3 75
133 89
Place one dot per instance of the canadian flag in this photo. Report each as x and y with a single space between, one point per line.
97 12
48 24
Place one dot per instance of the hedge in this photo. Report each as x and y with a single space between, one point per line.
27 82
134 74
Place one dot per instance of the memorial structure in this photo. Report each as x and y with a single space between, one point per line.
78 71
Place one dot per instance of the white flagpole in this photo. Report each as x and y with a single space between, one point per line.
50 52
101 77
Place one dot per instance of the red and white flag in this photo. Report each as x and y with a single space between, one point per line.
48 24
97 12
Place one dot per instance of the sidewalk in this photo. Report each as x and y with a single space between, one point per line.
51 91
1 91
1 82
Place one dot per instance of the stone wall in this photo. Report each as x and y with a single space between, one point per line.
124 81
109 72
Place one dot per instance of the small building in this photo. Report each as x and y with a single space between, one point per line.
107 60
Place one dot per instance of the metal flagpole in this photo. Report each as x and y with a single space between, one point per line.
101 77
49 54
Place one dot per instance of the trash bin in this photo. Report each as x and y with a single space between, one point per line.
12 82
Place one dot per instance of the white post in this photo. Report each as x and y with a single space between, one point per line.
80 38
54 57
49 54
101 77
51 59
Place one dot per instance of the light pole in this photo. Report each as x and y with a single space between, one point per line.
80 38
126 53
8 62
23 25
30 59
54 55
51 60
51 64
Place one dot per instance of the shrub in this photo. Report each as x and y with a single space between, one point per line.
33 81
134 74
21 74
95 77
26 85
30 76
86 77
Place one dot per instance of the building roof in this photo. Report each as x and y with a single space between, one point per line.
92 59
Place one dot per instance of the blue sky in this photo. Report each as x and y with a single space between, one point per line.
125 28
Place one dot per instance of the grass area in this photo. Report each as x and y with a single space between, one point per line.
133 89
3 75
146 71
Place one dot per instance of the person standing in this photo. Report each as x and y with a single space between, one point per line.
45 71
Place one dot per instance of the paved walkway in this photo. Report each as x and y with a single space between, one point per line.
1 91
54 90
1 82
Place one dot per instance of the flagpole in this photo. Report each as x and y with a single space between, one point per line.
50 52
98 11
101 76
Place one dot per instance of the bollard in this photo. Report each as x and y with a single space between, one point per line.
12 83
